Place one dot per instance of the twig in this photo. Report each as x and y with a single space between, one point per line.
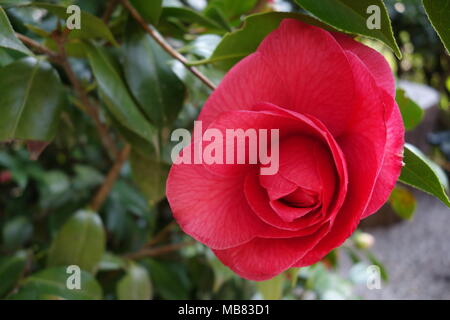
161 235
111 6
144 253
162 42
38 47
60 58
110 179
92 110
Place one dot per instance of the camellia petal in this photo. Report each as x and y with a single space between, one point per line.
285 71
364 151
262 259
340 152
392 164
375 62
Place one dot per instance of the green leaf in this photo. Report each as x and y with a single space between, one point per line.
326 284
221 273
116 95
135 285
189 16
92 27
156 87
438 13
271 289
16 232
170 280
111 262
11 268
5 58
73 47
403 202
412 114
149 10
239 44
292 274
31 97
351 16
216 14
150 176
383 272
420 173
231 9
51 283
81 241
8 38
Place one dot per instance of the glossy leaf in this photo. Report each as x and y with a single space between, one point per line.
11 268
169 279
8 38
80 241
352 16
272 289
189 16
31 96
216 14
92 27
5 58
149 10
383 272
51 284
117 97
292 274
111 262
232 9
420 173
156 87
16 232
150 176
438 13
403 203
239 44
221 273
412 114
135 285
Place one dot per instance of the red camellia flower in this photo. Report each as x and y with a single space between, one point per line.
340 150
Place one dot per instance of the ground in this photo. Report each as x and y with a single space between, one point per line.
416 254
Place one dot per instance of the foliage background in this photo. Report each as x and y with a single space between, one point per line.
95 196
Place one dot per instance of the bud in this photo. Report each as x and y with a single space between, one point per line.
363 240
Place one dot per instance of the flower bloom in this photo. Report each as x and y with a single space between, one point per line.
341 142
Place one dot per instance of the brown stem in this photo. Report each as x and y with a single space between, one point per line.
109 10
111 178
144 253
39 48
60 58
92 110
162 42
161 235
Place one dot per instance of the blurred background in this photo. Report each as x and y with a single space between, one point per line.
409 239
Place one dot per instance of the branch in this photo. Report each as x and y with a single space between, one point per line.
111 178
162 42
161 235
38 47
144 253
111 6
60 58
92 110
